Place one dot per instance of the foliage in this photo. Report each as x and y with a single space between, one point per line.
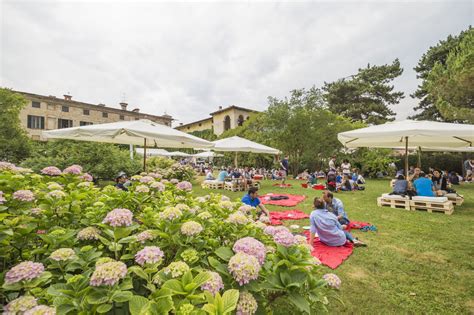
373 161
435 55
143 260
366 96
14 142
176 171
156 162
451 84
102 160
207 134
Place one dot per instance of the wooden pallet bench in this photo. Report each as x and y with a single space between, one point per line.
430 204
456 199
234 186
393 201
212 184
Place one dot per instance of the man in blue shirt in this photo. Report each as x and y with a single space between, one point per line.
222 175
336 206
424 186
329 230
251 199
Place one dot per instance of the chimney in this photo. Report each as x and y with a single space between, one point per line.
67 97
180 124
123 105
101 104
220 107
136 110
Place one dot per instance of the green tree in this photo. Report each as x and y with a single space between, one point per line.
102 160
14 141
426 109
451 85
366 96
206 134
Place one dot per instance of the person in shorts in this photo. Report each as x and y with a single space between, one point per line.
284 167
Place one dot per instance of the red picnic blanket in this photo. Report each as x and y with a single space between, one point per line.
331 256
357 225
292 200
277 216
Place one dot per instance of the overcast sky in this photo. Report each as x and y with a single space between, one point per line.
187 59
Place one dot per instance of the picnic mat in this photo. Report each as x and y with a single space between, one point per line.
357 225
331 256
292 200
277 216
282 185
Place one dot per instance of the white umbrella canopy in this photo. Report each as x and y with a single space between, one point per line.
207 154
131 132
152 152
238 144
424 134
179 153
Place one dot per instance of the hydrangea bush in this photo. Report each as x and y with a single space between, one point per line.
69 247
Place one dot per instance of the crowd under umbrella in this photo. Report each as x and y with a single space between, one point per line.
136 132
237 144
421 135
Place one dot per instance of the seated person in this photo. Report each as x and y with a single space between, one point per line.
312 179
236 174
121 181
440 182
347 184
321 174
331 181
453 178
209 175
303 175
339 178
222 175
251 199
400 186
424 186
360 179
328 228
336 206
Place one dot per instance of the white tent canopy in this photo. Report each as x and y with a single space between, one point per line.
424 134
131 132
238 144
153 152
179 153
207 154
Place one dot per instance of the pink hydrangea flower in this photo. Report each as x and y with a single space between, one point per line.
20 305
247 304
57 194
191 228
26 270
88 233
142 189
24 195
119 217
332 280
51 171
238 218
272 230
36 211
213 285
41 310
108 273
145 236
149 255
251 246
244 267
73 169
2 199
7 166
184 185
63 254
158 186
86 177
284 238
171 213
245 209
147 179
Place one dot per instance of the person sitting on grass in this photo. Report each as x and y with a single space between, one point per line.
251 199
424 186
328 228
336 206
347 184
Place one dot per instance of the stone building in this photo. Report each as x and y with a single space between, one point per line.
50 112
220 120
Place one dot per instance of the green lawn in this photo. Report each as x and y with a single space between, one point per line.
417 262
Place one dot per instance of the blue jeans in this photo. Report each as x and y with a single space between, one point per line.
349 236
344 221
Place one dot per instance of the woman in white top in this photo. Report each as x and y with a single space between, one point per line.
346 168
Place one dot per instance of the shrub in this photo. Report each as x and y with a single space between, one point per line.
96 250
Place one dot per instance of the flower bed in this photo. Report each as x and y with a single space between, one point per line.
69 247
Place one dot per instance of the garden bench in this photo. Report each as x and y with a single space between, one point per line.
394 201
430 204
456 199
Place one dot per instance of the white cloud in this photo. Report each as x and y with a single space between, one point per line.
189 58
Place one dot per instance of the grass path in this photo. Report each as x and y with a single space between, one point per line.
417 262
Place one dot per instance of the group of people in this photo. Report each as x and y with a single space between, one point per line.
329 219
433 184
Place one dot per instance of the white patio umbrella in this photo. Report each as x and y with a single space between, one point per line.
152 152
410 133
207 154
238 144
138 132
179 153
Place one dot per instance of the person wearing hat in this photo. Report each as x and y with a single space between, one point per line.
121 181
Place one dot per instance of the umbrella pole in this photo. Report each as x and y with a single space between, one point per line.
419 158
144 155
235 160
406 157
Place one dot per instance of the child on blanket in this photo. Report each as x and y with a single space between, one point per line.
328 228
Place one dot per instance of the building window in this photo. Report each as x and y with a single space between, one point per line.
137 118
64 123
122 117
86 112
35 122
226 123
65 109
240 121
200 125
85 123
35 104
105 115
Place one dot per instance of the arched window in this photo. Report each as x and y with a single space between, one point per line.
240 121
226 123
